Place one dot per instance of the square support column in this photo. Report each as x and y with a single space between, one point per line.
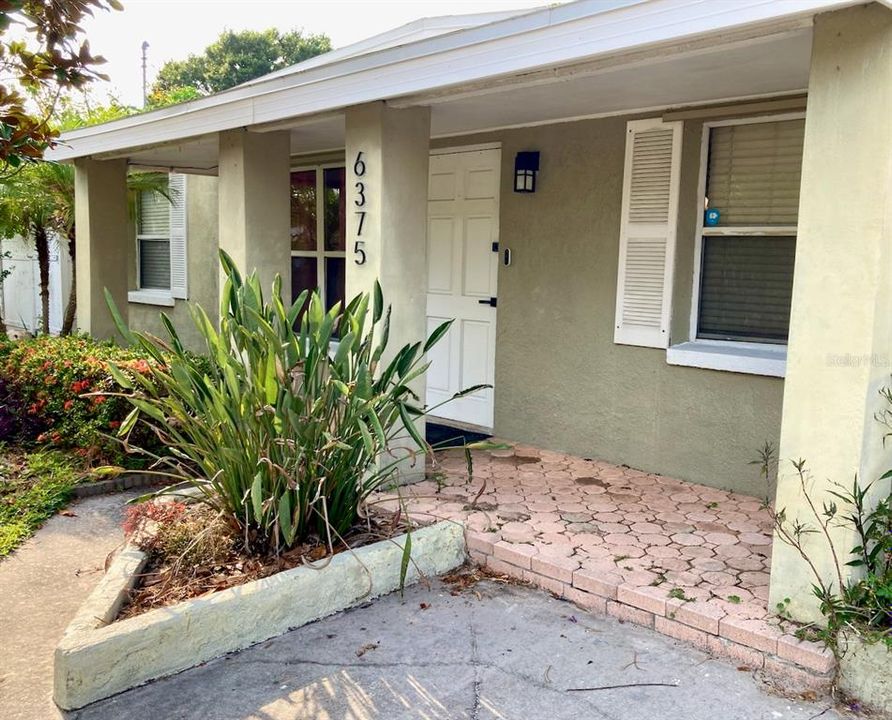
104 233
395 147
387 194
254 195
841 320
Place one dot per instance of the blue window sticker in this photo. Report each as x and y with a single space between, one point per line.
712 217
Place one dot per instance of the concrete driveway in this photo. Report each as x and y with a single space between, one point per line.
495 652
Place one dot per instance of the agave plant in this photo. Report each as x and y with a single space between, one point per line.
284 434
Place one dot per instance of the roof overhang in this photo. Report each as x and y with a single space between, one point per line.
528 53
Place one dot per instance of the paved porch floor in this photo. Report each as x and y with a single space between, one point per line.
688 560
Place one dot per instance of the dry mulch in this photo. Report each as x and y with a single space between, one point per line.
168 580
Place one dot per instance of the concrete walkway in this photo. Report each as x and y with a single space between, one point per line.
496 652
41 586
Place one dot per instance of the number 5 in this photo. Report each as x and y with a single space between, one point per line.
360 252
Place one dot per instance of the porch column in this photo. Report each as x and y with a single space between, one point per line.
103 233
392 240
254 197
841 320
395 147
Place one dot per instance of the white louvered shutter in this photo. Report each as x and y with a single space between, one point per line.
647 233
178 253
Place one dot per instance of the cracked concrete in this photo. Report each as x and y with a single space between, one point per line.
497 652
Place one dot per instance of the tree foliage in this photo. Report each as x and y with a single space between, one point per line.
237 57
40 49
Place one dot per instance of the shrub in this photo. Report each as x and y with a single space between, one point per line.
863 601
283 435
56 390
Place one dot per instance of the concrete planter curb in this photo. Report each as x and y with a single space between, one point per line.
135 481
865 672
98 658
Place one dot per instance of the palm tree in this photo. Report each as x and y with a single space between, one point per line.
40 199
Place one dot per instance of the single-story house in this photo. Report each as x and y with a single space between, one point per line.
662 226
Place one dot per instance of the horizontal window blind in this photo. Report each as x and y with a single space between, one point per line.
746 287
154 264
154 214
754 172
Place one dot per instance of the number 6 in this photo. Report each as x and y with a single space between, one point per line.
359 165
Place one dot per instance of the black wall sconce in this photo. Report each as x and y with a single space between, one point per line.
526 167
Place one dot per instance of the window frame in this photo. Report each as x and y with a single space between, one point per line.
320 253
736 230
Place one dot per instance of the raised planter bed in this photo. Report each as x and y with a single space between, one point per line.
865 672
98 658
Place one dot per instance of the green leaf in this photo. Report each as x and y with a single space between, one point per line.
437 335
118 376
285 518
404 561
128 422
378 304
410 427
118 320
257 496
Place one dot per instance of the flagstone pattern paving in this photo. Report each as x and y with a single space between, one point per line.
689 561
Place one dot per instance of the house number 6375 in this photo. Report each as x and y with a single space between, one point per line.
359 245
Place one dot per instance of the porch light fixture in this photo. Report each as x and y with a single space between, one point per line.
526 167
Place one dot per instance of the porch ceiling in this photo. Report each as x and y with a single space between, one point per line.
773 64
769 66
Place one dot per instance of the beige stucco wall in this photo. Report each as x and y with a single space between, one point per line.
201 219
561 382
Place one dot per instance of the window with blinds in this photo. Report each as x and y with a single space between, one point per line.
153 241
154 264
753 173
745 288
154 214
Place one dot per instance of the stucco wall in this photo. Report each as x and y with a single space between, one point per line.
201 218
561 382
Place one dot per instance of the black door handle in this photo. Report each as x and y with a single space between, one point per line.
489 301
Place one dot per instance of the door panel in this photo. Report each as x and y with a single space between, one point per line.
463 224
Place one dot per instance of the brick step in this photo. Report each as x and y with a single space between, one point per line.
787 663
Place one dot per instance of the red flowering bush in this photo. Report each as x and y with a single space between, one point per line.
53 391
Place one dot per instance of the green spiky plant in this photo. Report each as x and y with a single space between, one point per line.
284 435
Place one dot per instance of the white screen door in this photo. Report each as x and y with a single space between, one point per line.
463 225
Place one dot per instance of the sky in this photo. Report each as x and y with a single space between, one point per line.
176 28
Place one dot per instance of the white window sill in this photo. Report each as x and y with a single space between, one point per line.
151 297
748 358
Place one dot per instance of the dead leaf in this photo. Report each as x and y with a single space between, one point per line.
365 648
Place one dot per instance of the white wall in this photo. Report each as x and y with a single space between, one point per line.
21 291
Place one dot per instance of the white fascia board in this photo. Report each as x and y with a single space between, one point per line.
552 37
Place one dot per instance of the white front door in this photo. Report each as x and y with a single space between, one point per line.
463 261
